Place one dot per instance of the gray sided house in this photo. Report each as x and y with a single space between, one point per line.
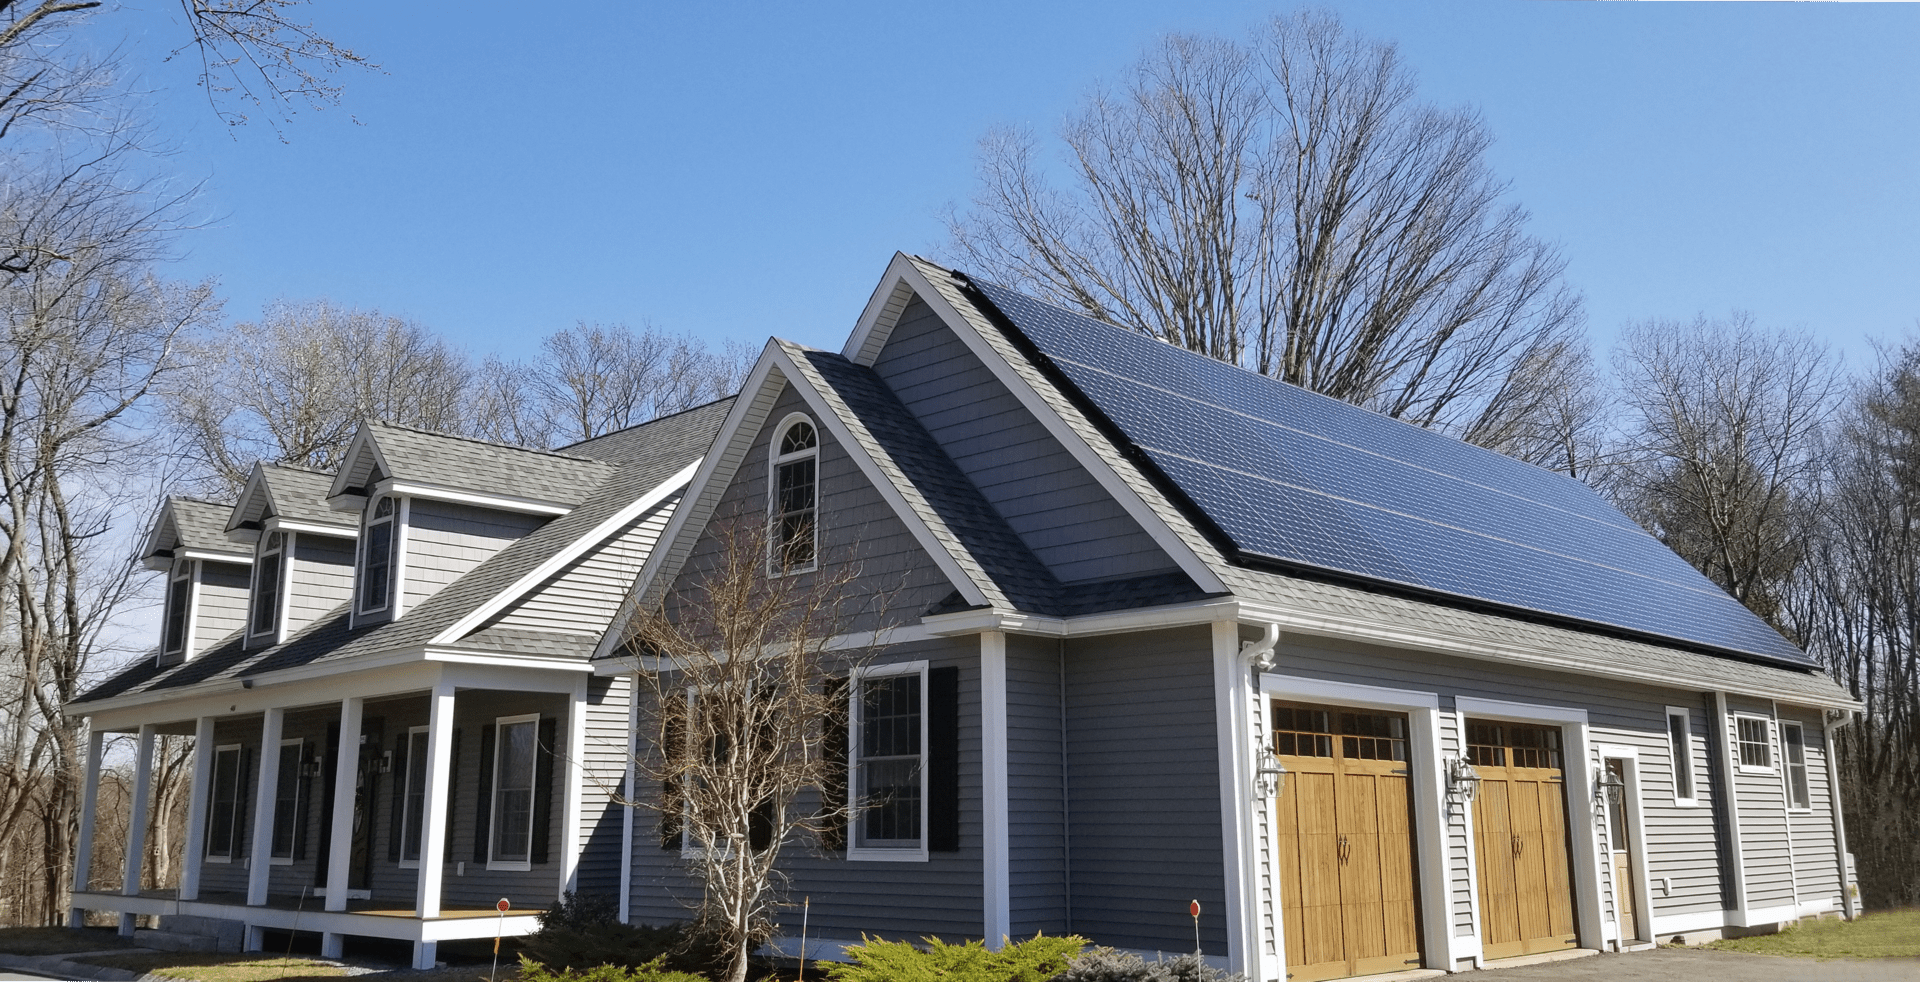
387 670
1161 630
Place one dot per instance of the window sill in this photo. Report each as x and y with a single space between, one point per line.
280 860
219 859
409 864
870 854
1751 769
1686 802
1799 809
502 865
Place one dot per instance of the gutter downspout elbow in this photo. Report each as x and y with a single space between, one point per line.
1259 654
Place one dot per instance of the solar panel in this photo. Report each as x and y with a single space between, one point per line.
1308 481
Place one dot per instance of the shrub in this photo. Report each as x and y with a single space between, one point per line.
593 943
1035 960
1108 965
581 912
652 971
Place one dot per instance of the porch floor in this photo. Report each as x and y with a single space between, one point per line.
315 902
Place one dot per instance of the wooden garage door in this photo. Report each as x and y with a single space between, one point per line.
1520 839
1345 842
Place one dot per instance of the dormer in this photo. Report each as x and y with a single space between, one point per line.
303 553
207 571
431 507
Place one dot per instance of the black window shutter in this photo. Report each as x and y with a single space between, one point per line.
243 803
304 815
673 729
329 773
483 802
453 795
833 789
397 781
543 788
943 759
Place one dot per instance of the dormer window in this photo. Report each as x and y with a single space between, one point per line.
793 525
179 592
376 561
266 586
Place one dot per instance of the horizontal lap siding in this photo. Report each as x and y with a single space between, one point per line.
1143 771
604 764
584 597
303 874
445 541
220 602
1762 802
231 877
895 580
1683 840
1036 813
903 900
320 578
1049 500
1815 860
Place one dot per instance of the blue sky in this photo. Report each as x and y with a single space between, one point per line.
747 170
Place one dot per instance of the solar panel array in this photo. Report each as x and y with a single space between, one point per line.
1310 481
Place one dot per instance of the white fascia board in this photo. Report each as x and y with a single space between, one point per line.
152 544
237 558
1143 514
507 659
355 503
882 312
574 550
701 497
1478 648
1108 622
371 676
256 480
914 521
156 563
309 528
501 502
363 442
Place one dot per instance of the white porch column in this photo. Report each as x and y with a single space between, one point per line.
996 888
83 847
433 815
137 822
573 775
346 777
1232 682
272 724
196 846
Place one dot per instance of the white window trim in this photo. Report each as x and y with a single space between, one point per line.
1773 755
364 543
1786 768
285 552
774 460
1691 799
871 854
500 723
294 846
406 805
239 806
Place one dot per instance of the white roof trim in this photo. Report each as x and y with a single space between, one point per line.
362 441
237 558
882 314
502 502
869 337
311 528
256 481
574 550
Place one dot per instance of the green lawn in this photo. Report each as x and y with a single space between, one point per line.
1894 934
58 940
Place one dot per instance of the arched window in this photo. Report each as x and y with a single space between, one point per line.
266 585
794 507
376 561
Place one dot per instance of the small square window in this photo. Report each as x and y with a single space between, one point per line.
1756 749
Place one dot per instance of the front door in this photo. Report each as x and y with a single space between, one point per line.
360 867
1344 841
1520 839
1624 882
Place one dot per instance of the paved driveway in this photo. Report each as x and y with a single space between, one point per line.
1688 965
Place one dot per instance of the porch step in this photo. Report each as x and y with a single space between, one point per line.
175 941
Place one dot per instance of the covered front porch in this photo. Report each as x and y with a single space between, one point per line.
404 808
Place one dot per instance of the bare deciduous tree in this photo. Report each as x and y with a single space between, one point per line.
291 387
742 701
1726 426
595 378
1288 205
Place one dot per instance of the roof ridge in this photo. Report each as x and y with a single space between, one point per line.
657 419
201 501
490 444
295 467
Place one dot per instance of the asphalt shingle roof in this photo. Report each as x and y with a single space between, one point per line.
202 525
300 495
475 465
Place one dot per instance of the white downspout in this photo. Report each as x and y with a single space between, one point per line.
1847 901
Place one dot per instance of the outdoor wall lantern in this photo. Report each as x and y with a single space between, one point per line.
1610 788
311 768
1462 780
1270 778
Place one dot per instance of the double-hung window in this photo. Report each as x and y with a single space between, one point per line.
1680 742
376 558
1754 743
414 803
223 804
794 504
286 802
266 586
1793 747
888 783
179 596
516 756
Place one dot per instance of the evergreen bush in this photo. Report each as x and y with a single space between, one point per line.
1108 965
652 971
1036 959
